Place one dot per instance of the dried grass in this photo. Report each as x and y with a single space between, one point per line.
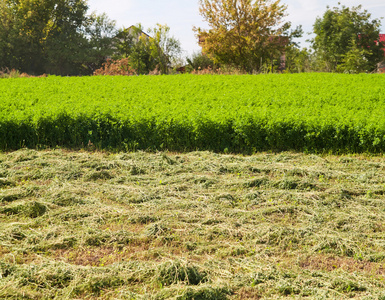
191 226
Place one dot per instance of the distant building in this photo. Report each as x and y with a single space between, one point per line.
381 65
132 30
382 38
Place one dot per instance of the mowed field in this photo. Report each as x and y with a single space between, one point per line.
193 187
198 225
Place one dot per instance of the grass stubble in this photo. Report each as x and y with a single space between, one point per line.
199 225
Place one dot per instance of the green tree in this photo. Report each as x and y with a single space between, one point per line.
51 36
200 61
124 43
133 43
148 52
140 57
5 32
165 49
66 44
244 33
100 32
355 60
23 32
299 60
344 32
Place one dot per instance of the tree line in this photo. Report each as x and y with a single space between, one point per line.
52 36
253 36
60 37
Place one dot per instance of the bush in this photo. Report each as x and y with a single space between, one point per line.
116 67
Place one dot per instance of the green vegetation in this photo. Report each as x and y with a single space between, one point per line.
245 34
60 37
252 37
244 114
53 37
347 40
90 225
152 54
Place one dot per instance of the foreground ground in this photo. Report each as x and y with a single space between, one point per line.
89 225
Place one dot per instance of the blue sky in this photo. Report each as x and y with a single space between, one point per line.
182 15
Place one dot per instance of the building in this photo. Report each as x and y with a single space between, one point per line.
382 38
136 33
381 65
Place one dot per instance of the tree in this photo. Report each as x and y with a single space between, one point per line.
66 45
124 41
244 33
5 32
22 32
199 61
345 32
355 61
140 57
51 36
147 52
165 49
298 60
100 32
133 43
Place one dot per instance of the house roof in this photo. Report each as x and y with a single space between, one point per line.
133 27
382 37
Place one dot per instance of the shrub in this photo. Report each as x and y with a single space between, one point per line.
116 67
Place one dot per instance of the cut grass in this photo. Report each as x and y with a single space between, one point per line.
191 226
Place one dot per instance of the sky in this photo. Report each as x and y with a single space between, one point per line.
182 15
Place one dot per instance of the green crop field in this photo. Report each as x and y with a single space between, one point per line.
241 114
